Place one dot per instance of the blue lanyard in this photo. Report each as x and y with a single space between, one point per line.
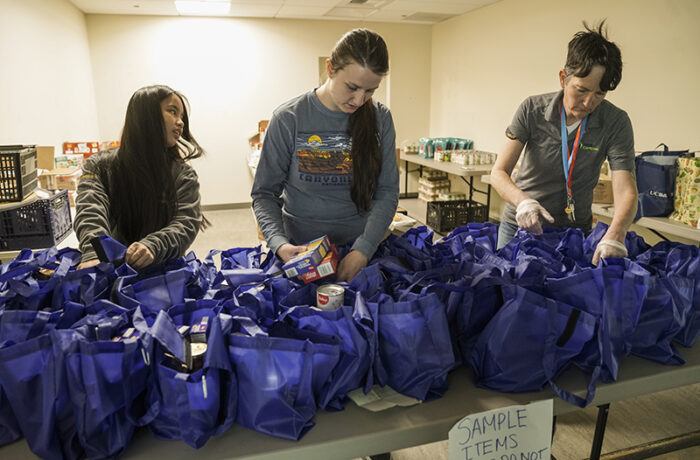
569 159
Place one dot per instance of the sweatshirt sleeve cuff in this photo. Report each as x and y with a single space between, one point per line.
88 255
275 243
365 247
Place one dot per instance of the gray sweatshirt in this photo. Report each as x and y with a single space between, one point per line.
302 185
92 213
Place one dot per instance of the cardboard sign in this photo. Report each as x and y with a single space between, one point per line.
509 433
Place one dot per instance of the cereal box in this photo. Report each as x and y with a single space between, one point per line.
307 260
325 268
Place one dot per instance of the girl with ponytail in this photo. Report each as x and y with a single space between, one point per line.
328 164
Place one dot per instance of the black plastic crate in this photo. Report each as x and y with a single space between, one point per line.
39 224
18 174
445 216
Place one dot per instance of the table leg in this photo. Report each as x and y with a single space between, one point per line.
405 178
599 431
405 194
488 201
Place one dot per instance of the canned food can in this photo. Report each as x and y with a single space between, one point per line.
330 296
197 351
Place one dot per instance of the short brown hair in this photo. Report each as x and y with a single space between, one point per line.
590 48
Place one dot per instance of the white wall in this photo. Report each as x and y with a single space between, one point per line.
237 71
46 90
484 63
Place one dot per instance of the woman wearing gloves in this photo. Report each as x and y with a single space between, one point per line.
566 136
328 165
143 194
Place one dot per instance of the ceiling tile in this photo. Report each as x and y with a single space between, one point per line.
257 2
126 7
428 11
430 7
394 16
308 12
349 12
254 10
327 3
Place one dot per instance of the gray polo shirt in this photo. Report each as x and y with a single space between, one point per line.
536 124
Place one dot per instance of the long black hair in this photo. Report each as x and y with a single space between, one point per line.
140 182
367 49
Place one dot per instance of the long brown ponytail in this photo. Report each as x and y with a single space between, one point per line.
367 49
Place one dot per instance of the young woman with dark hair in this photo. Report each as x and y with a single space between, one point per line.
143 193
328 164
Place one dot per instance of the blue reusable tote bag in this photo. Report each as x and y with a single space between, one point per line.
684 260
471 301
635 244
355 360
109 377
195 405
614 293
284 406
656 181
663 315
26 288
530 341
32 375
414 352
88 285
161 287
483 234
325 354
17 326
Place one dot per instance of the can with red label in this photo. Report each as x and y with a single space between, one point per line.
330 296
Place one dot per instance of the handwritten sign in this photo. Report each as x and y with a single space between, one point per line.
509 433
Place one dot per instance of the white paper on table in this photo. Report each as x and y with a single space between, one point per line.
380 398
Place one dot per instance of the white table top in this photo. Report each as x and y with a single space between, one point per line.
446 166
660 224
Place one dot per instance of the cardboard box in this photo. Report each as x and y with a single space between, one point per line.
306 261
325 268
60 179
603 192
44 157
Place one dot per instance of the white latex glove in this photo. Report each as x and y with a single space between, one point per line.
528 214
609 248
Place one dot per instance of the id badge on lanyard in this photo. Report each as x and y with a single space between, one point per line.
568 160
